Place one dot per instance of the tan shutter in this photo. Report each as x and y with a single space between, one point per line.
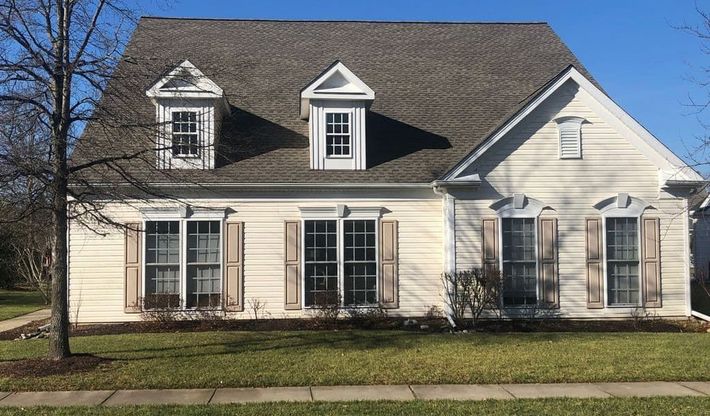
234 267
389 272
132 268
595 298
292 259
549 281
490 249
651 262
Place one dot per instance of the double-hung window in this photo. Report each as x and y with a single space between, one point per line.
162 264
185 135
340 259
519 262
622 265
183 275
337 134
204 271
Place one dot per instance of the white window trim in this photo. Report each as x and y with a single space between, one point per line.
340 227
351 115
183 257
199 119
537 261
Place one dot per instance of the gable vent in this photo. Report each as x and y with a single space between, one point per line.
570 133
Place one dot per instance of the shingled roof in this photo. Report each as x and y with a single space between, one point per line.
440 88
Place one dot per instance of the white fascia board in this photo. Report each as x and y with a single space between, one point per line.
648 144
203 88
356 89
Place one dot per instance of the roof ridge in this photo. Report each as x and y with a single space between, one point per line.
435 22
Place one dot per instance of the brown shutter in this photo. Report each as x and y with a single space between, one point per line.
389 273
549 281
595 298
132 268
292 260
490 250
651 262
234 267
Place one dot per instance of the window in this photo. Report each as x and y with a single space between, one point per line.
570 131
204 273
162 259
200 279
337 136
185 137
323 262
519 262
622 242
360 263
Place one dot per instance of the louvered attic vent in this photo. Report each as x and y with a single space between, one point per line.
570 133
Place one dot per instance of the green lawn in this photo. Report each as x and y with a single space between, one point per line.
659 406
19 302
232 359
699 299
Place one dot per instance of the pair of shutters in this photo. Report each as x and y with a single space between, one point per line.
388 283
547 256
650 264
233 299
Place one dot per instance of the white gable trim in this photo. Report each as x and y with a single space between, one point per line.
649 145
202 87
346 86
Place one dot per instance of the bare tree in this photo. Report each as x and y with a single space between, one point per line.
61 77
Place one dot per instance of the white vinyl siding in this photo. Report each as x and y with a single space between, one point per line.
526 161
97 260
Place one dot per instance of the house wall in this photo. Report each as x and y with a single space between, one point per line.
96 282
701 246
526 161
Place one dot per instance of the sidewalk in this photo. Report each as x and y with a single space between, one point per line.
350 393
21 320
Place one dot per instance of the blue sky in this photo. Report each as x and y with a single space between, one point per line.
630 46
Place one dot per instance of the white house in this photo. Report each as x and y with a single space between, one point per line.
364 159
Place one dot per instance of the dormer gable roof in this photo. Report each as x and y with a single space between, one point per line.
336 82
185 81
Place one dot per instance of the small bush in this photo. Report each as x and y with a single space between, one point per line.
471 292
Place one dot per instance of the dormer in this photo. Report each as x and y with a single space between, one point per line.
189 110
335 104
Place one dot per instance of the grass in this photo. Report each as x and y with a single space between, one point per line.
19 302
657 406
699 299
255 359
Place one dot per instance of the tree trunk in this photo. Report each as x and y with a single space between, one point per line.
59 335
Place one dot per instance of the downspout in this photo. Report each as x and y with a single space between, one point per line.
449 248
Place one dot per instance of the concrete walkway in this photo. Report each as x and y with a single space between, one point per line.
18 321
350 393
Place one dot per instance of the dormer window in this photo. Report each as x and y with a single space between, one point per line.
337 135
189 109
186 139
335 105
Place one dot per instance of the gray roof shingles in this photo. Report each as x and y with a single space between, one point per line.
440 88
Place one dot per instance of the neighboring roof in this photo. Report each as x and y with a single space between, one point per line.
677 171
441 88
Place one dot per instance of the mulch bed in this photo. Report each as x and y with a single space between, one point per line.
431 325
43 367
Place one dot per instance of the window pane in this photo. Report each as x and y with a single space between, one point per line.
321 262
622 242
360 262
185 139
204 273
519 262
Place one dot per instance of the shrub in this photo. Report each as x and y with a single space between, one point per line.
471 292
